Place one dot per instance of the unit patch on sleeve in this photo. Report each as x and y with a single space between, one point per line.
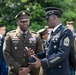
66 41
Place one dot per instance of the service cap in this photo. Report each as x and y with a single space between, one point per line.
42 31
22 15
70 22
53 10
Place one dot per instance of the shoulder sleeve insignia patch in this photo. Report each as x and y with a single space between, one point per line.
66 41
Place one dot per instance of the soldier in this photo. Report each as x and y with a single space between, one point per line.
43 33
3 66
70 25
17 41
56 60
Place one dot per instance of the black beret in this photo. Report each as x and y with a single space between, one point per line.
22 13
53 10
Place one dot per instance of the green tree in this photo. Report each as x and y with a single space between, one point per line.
9 8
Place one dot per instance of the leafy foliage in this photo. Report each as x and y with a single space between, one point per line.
9 8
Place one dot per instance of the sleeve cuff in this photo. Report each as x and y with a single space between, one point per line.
16 67
45 63
32 69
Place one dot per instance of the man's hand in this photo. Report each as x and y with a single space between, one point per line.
24 71
36 64
30 51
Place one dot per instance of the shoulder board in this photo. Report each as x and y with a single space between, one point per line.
10 32
33 32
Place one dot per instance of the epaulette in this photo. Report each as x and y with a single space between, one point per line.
10 32
34 34
32 31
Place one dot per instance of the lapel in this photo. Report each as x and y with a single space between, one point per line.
57 30
54 33
19 34
28 35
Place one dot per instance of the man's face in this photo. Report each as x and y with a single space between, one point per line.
50 21
45 36
3 30
23 23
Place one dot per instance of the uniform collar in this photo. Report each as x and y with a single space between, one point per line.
23 32
1 36
20 31
57 27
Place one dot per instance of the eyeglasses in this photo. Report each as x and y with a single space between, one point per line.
49 17
49 14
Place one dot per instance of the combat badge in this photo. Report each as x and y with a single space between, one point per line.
66 41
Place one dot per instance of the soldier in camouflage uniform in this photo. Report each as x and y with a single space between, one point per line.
16 42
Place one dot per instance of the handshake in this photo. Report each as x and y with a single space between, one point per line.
33 59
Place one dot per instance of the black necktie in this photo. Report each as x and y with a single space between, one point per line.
51 33
24 35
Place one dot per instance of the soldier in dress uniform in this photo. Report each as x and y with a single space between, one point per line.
70 25
55 61
17 41
3 66
43 33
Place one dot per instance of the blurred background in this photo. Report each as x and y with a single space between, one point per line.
9 8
